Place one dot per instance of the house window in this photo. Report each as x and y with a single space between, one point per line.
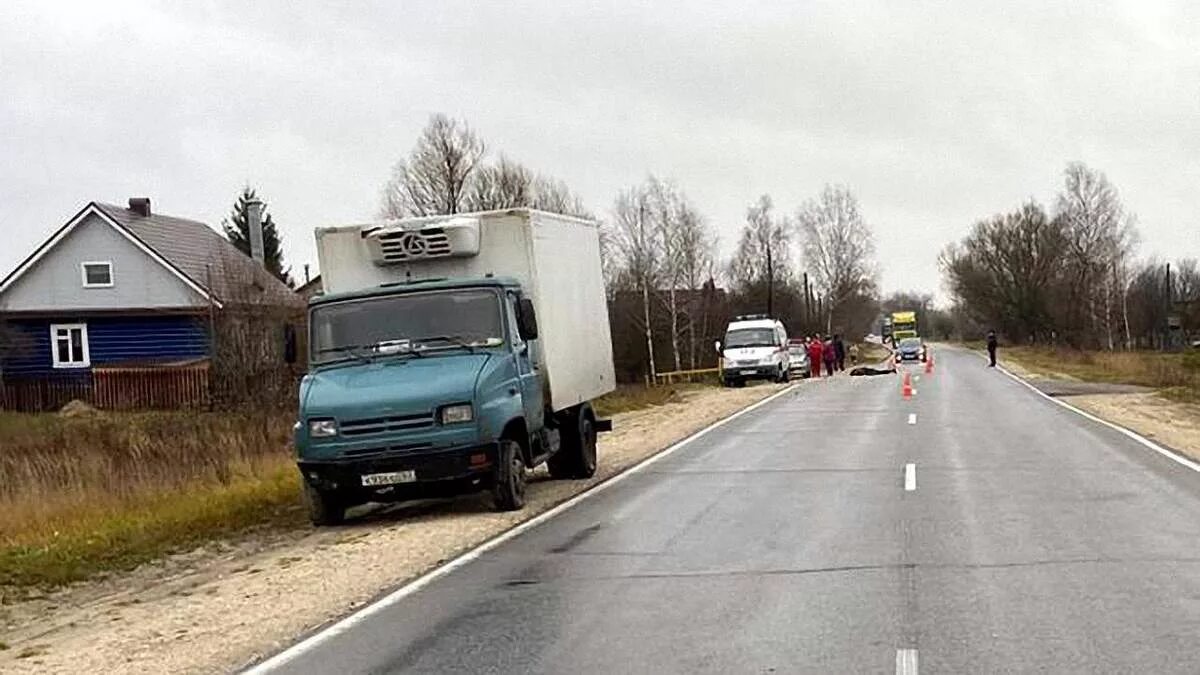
97 275
69 345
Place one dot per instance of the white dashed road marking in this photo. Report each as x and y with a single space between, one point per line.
906 661
912 418
910 477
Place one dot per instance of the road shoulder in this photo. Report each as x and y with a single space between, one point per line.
216 610
1171 424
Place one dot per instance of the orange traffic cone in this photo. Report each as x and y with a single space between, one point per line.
929 363
907 390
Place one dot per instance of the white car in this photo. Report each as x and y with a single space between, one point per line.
798 353
755 348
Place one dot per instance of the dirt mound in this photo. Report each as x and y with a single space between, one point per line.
77 408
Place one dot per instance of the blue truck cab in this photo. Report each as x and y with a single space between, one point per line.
432 387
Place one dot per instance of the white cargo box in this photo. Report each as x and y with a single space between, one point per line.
555 258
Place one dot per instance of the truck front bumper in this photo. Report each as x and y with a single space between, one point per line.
434 471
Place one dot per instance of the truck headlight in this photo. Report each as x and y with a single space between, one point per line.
322 428
456 414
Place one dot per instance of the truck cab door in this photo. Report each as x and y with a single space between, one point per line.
528 374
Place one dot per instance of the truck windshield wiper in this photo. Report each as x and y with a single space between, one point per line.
454 340
350 350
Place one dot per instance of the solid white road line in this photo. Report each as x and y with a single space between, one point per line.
906 662
910 477
1142 440
317 639
912 418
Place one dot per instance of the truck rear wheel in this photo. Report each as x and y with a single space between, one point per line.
508 487
324 508
576 457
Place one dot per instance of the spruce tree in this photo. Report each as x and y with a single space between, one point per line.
237 230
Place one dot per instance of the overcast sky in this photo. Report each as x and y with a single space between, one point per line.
934 115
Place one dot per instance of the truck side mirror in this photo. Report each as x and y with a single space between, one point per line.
527 325
717 346
289 343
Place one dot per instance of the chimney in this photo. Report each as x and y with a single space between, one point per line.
254 224
140 206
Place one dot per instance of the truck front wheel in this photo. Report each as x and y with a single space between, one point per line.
324 508
508 487
576 458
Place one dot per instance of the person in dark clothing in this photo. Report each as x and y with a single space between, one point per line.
830 356
991 345
839 351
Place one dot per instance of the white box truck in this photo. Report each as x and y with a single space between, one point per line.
451 354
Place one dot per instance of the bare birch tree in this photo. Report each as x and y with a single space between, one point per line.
635 241
434 179
503 184
837 247
507 184
696 247
763 256
1100 236
665 204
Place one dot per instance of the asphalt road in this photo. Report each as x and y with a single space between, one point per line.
1032 540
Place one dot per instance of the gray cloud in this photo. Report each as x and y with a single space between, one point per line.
935 114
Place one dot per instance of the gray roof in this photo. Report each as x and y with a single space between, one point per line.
202 255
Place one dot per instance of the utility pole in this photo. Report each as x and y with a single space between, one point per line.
770 284
807 303
1167 317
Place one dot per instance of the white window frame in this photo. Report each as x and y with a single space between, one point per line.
86 360
83 273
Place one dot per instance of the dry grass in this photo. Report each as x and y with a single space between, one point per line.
635 397
105 492
1147 369
101 492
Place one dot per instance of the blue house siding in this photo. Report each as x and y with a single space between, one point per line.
111 341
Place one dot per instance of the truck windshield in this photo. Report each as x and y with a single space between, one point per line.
415 321
750 337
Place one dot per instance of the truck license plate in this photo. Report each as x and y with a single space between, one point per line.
390 478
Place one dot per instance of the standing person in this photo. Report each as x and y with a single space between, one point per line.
992 343
854 354
830 356
839 349
816 353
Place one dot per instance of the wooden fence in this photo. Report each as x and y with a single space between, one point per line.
113 388
43 394
698 375
150 388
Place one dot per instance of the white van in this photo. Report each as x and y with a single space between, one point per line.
755 348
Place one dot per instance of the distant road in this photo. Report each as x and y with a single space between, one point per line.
976 528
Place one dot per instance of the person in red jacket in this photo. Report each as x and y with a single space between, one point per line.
816 355
830 356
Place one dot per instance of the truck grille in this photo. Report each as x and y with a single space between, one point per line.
414 245
360 453
379 425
